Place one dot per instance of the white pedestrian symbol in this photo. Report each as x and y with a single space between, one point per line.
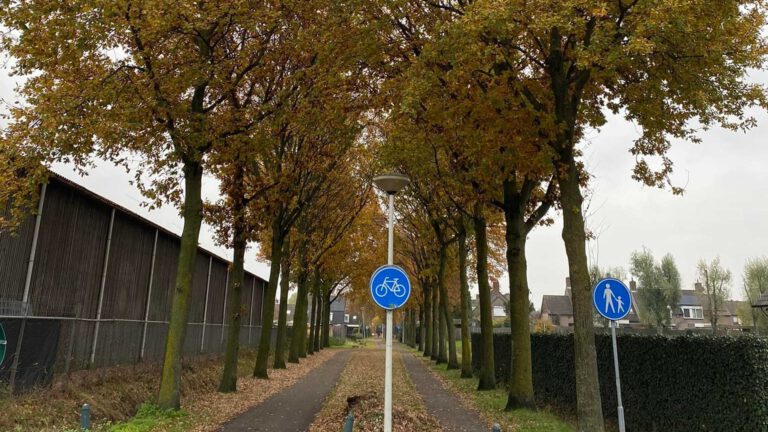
620 302
608 297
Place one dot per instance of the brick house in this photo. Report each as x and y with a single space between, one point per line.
498 302
692 311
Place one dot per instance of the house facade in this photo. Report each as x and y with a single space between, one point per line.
344 319
693 311
498 302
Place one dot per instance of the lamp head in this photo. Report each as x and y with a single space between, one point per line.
391 183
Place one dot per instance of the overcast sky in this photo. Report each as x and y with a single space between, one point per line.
724 210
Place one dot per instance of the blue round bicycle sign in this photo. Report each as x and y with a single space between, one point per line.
612 299
390 287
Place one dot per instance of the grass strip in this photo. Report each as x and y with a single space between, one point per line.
491 404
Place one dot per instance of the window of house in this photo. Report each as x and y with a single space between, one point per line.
693 312
498 311
346 318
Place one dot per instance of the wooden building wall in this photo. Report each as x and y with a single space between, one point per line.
75 275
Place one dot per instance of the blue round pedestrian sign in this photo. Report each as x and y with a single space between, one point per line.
612 299
390 287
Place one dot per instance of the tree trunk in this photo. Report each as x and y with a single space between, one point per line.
318 319
169 394
466 349
589 408
427 321
282 316
487 365
521 378
268 305
422 333
406 331
435 324
298 346
228 381
442 357
312 326
326 319
450 340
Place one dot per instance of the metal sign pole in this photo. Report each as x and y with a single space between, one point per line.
390 314
615 324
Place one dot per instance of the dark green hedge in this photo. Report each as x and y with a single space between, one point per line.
686 383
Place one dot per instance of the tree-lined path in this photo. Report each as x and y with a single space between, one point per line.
440 402
295 408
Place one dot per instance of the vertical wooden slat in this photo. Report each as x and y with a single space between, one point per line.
250 319
103 284
149 296
205 308
35 236
224 308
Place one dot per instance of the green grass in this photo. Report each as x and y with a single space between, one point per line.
491 405
151 417
349 343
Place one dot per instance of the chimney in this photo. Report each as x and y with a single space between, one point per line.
495 285
698 286
567 286
633 286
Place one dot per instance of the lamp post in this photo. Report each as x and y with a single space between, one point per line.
391 184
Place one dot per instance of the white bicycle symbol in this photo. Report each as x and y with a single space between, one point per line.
390 285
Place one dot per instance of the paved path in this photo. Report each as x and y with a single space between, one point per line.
293 409
439 401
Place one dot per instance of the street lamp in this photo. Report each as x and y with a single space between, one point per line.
390 183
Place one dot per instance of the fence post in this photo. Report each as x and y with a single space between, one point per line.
103 284
149 296
205 308
70 348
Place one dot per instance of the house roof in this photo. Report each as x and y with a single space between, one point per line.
690 298
733 306
762 301
557 305
340 305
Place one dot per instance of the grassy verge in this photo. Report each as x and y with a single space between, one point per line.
118 397
491 405
348 343
152 418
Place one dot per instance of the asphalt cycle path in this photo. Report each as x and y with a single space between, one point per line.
293 409
439 401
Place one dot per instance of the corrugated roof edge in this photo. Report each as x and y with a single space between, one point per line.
142 219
